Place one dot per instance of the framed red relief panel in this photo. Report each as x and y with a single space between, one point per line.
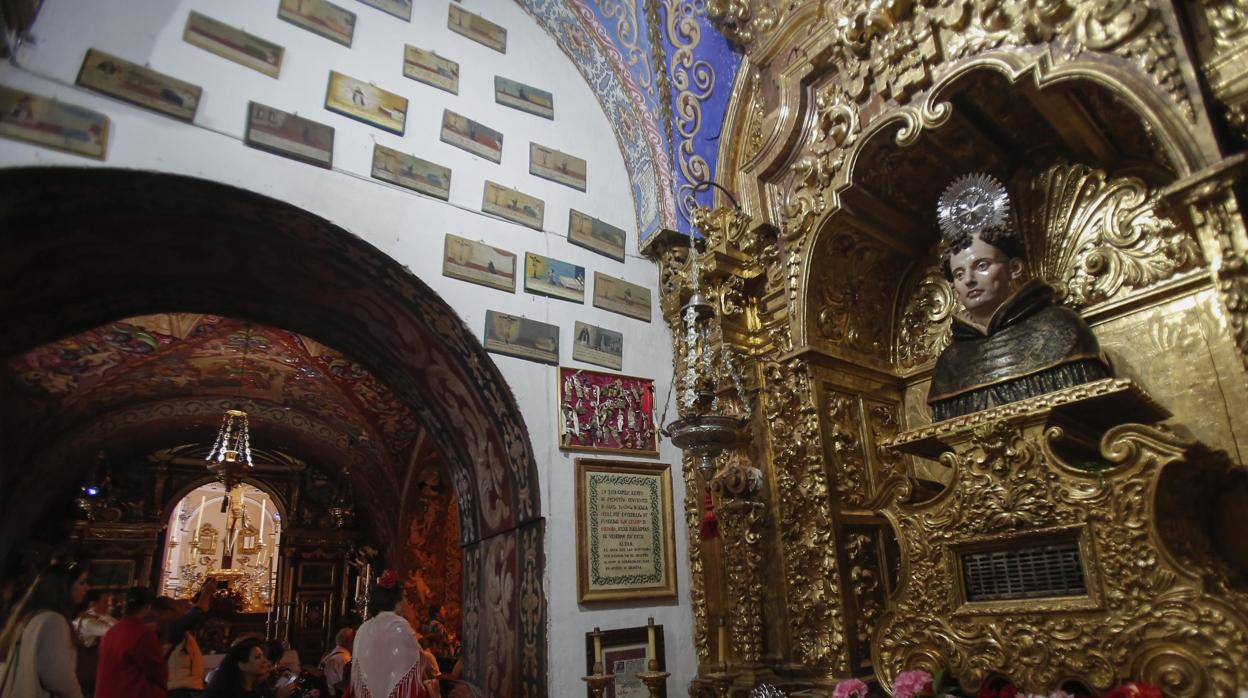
606 413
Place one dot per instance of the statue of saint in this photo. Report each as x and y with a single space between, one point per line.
1012 342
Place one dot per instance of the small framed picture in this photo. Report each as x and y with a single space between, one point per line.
550 277
285 134
513 205
620 296
410 172
364 102
624 654
478 263
521 338
477 28
399 8
466 134
52 124
526 98
551 164
124 80
595 235
431 69
625 535
320 17
233 44
606 412
597 345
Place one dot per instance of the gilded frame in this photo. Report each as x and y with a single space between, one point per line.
653 485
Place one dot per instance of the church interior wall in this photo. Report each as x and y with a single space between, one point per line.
407 226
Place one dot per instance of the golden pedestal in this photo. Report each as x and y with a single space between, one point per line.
1070 544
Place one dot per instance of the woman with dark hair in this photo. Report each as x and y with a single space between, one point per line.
243 672
37 655
387 659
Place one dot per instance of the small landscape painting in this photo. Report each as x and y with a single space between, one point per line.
551 164
598 345
399 8
233 44
620 296
364 102
478 139
525 339
477 28
517 95
411 172
133 83
431 69
551 277
478 263
320 17
513 205
598 236
52 124
295 137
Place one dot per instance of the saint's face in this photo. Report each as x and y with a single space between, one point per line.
983 278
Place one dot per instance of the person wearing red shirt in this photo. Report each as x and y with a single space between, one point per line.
131 662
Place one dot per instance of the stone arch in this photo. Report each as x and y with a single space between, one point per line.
88 246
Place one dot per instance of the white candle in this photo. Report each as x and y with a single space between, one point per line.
264 504
598 647
650 640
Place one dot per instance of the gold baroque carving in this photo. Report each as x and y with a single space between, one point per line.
867 589
804 519
1094 237
836 130
923 326
697 586
1154 619
741 527
849 462
855 274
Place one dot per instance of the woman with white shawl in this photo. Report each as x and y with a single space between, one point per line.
387 658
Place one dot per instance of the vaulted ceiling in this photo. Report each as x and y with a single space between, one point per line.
314 399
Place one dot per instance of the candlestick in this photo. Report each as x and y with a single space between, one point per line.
723 638
650 644
264 508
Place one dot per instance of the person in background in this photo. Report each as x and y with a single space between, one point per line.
334 664
184 657
94 620
436 625
131 662
387 659
37 655
243 674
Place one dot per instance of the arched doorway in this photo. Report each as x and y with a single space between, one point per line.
85 247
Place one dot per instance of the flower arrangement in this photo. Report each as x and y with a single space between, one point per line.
388 579
918 683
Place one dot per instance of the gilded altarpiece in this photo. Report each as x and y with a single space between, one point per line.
1118 136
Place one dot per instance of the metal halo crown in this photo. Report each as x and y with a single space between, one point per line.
972 204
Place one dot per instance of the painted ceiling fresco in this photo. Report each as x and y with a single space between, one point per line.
626 50
157 358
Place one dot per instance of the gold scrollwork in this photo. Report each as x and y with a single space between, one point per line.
923 326
854 274
1093 236
849 462
804 519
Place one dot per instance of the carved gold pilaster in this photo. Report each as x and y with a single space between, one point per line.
742 521
1211 202
804 518
1220 29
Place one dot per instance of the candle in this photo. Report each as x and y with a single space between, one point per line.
723 638
597 647
650 645
264 504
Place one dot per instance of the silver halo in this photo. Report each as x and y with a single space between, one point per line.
972 204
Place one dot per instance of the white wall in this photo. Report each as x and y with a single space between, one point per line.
405 225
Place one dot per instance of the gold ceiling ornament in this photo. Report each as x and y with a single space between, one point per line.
1116 509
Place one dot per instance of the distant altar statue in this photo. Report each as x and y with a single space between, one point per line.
1012 342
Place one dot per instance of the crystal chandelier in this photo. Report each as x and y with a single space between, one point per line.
230 456
705 426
